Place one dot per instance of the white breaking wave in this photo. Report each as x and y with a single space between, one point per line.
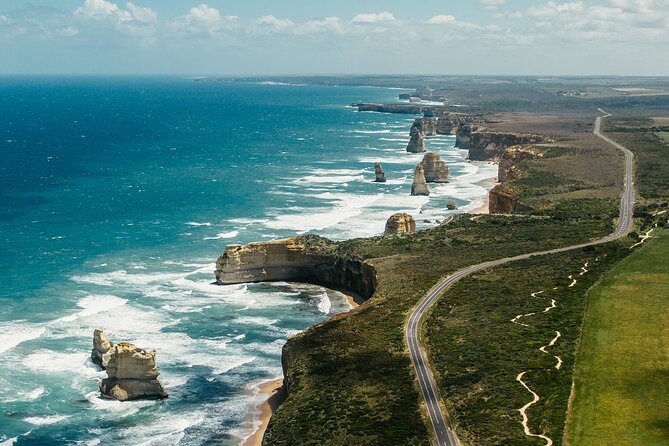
41 421
194 223
223 235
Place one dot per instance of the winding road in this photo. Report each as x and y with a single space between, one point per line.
444 436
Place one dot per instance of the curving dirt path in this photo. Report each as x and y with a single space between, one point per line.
523 411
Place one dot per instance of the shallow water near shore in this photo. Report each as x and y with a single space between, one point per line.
117 196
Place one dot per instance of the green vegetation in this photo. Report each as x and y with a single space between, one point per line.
622 369
350 378
664 136
477 352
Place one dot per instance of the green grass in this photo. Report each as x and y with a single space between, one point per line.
664 136
622 369
477 352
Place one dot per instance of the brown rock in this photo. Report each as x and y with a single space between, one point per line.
399 224
419 186
132 374
436 170
451 206
416 140
102 347
508 166
504 200
379 173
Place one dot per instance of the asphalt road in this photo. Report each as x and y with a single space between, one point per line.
444 436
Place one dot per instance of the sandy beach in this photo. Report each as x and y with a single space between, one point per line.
275 395
485 208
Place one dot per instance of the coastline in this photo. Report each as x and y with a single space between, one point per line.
488 184
275 394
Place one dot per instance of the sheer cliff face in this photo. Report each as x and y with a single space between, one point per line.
427 126
292 261
504 200
490 146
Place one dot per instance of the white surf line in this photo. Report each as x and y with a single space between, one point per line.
523 411
550 344
643 238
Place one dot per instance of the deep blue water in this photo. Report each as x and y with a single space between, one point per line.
116 197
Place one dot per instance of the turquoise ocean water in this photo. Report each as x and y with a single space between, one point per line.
116 197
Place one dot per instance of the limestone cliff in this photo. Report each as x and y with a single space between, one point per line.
297 259
419 186
427 126
416 140
407 109
436 170
449 122
380 175
132 374
508 165
399 224
504 200
463 136
490 146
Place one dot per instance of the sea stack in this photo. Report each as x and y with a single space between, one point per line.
416 141
102 347
380 174
436 170
451 206
131 374
399 224
419 186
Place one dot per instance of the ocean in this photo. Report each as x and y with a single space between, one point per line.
116 197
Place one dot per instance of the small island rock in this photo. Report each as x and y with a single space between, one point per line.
419 186
102 347
131 374
380 174
451 206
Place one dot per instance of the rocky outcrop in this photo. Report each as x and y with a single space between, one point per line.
449 122
131 374
436 170
416 140
463 136
297 259
490 146
504 200
102 348
419 186
399 224
451 206
379 173
508 165
427 126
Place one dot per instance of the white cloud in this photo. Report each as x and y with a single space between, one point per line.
273 22
492 4
449 20
102 10
328 24
142 15
380 17
203 19
68 31
4 19
552 9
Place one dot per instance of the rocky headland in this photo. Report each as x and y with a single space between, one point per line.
400 223
436 170
406 109
131 371
490 146
508 164
308 259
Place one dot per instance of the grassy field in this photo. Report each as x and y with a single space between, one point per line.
622 369
664 136
477 351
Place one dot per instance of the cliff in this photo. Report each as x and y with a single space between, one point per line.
399 224
297 259
427 126
436 170
407 109
448 123
508 165
504 200
484 146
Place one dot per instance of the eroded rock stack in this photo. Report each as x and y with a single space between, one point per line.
379 173
419 186
436 170
399 224
131 371
416 140
427 126
102 348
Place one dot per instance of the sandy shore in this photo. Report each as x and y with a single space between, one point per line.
352 302
275 395
485 208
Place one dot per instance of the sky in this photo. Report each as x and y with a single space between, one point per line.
272 37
